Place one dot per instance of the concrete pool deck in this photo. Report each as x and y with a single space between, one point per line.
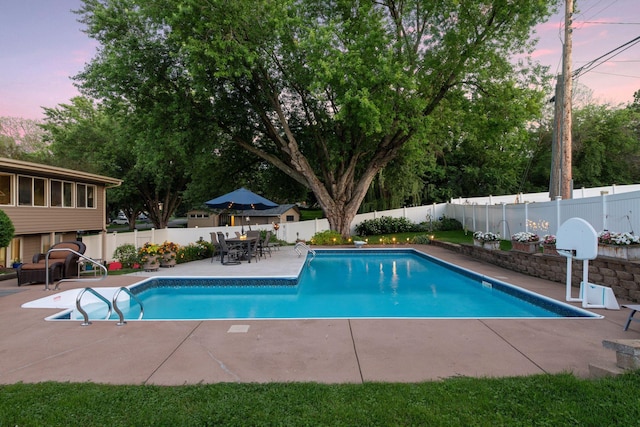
326 351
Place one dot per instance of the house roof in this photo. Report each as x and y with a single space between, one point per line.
278 210
17 166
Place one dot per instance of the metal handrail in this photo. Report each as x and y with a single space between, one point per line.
117 309
92 261
82 310
305 246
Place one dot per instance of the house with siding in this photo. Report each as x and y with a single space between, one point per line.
209 218
48 205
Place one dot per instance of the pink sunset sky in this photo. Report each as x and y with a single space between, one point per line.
42 46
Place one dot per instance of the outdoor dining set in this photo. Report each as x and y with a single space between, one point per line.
241 247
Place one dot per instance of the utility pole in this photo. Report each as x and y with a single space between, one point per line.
555 177
560 178
567 177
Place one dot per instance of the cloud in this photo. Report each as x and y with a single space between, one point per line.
544 52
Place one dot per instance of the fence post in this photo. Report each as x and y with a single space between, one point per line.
464 217
558 211
604 209
526 216
103 245
486 217
504 219
474 217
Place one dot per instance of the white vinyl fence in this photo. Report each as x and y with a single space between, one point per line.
103 245
617 210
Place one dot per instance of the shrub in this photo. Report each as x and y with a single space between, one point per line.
421 239
126 254
327 237
194 251
449 224
385 225
6 229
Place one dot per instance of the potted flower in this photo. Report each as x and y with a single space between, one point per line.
149 256
549 244
487 240
525 241
16 263
619 245
168 251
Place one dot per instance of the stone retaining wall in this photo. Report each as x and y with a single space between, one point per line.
622 276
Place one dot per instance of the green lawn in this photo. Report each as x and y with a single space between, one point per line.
454 236
540 400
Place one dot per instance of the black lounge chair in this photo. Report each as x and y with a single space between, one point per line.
62 264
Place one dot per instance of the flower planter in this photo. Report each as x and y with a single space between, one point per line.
527 247
151 263
628 252
493 245
549 249
168 260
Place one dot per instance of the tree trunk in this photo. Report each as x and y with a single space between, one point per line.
340 218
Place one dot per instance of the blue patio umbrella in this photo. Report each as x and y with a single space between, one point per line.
241 200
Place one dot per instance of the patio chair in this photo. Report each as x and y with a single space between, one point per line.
255 249
216 245
253 233
231 253
62 264
633 308
264 245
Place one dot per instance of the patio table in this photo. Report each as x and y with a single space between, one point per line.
246 243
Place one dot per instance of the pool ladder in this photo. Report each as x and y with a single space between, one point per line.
112 305
84 259
304 246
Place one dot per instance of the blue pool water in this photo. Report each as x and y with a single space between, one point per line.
347 284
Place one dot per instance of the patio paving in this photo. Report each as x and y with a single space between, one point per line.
325 350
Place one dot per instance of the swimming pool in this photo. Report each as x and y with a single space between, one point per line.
359 283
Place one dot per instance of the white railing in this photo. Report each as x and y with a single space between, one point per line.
616 209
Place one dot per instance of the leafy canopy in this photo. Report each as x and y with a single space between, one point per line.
328 92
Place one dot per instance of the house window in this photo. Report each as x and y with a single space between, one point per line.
5 189
290 218
85 196
61 194
31 191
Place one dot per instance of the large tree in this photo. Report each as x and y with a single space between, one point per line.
328 92
120 144
22 139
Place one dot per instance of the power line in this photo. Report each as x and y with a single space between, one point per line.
618 75
609 23
592 64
